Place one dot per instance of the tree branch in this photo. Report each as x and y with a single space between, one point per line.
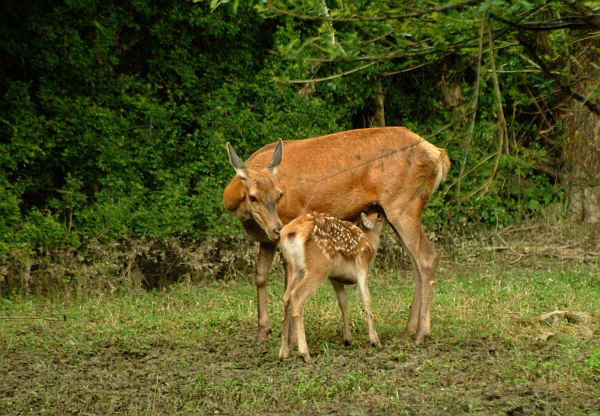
467 145
271 6
304 81
533 55
543 26
591 17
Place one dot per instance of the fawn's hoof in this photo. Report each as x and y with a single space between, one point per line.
306 357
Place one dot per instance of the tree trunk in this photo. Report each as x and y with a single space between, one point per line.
379 114
581 153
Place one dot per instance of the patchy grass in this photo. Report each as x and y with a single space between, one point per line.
191 349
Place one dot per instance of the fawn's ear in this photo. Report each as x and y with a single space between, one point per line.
366 221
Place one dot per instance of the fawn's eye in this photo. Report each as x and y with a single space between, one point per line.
253 198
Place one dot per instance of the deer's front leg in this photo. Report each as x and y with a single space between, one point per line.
291 280
343 303
264 261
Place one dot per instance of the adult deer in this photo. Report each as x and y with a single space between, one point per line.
316 247
339 174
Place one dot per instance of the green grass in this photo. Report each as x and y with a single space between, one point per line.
191 349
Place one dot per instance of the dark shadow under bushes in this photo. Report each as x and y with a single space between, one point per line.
130 264
135 264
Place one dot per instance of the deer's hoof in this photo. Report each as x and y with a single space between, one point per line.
407 334
420 339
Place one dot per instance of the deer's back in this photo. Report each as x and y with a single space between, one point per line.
341 173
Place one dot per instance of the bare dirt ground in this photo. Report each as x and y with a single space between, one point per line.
234 376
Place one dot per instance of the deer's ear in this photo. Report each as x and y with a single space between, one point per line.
276 159
366 221
238 165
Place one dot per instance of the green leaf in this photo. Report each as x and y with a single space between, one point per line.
534 205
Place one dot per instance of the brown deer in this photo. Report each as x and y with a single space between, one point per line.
339 174
316 247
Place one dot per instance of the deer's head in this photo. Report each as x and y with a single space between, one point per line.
261 193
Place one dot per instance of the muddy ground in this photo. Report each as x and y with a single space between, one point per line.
235 376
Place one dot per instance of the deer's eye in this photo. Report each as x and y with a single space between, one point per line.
280 195
253 198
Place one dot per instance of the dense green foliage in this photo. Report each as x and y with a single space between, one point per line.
114 117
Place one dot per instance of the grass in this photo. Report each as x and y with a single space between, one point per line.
191 349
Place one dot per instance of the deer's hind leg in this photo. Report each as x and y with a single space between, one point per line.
407 225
